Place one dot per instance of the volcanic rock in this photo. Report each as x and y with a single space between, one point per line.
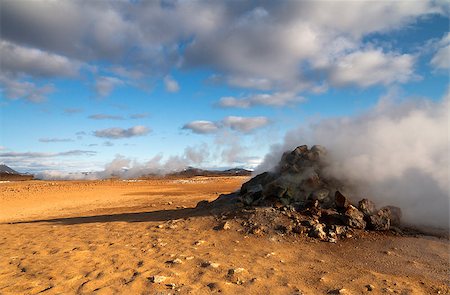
367 207
304 199
354 217
341 201
381 220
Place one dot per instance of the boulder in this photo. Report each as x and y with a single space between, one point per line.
380 220
354 217
341 201
367 207
395 215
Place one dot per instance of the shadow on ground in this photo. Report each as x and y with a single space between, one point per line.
204 208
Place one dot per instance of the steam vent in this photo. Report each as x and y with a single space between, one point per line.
311 202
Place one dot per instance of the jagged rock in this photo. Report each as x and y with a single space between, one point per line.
306 199
202 204
380 221
367 207
395 214
257 180
354 217
224 226
331 217
341 201
317 231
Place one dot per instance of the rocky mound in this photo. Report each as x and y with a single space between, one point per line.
299 198
313 201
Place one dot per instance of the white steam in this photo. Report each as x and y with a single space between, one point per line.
127 168
396 154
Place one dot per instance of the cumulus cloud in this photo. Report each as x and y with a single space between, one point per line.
18 60
47 155
241 124
105 117
14 89
396 154
371 67
201 127
139 116
171 84
117 133
48 140
245 124
269 46
277 99
441 59
105 85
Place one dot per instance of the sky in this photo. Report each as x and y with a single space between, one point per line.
161 85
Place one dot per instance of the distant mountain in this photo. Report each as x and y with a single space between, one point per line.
8 170
9 174
192 171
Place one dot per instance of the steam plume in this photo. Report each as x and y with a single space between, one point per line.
396 154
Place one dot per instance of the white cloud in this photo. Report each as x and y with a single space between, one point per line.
269 46
277 99
245 124
48 140
47 155
15 89
105 85
117 133
395 154
441 59
105 117
201 127
17 60
171 84
371 67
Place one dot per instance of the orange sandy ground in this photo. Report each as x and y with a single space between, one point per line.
111 237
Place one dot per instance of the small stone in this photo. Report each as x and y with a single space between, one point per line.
199 242
175 261
209 264
169 203
317 231
233 271
298 229
160 226
157 279
370 287
213 286
225 226
189 257
171 286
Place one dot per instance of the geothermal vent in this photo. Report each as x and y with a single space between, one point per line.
312 202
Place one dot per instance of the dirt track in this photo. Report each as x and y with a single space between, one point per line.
107 237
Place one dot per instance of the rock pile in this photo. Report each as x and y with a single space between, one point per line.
313 200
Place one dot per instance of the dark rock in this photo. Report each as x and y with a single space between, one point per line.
202 204
367 207
379 221
354 217
331 217
318 231
395 215
260 179
341 201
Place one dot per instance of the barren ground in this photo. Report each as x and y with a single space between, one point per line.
112 237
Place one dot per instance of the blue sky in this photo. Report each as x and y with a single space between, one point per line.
206 84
